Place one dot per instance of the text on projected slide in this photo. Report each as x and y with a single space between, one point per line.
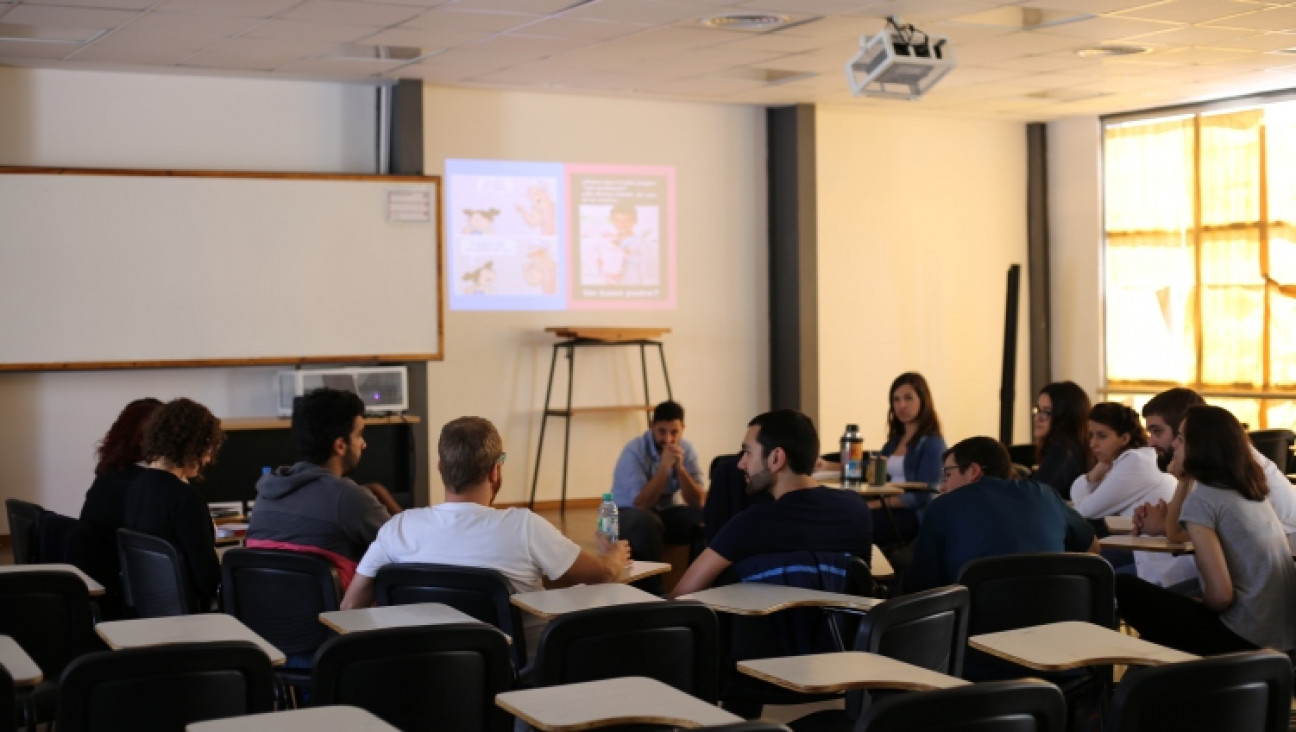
555 236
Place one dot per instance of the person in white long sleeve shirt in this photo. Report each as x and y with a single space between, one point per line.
1125 477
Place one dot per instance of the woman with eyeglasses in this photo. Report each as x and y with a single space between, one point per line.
1247 576
1061 432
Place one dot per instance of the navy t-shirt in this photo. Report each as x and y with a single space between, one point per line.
991 518
809 519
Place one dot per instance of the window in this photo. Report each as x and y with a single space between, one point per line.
1200 259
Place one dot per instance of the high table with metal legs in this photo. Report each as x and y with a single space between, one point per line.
584 337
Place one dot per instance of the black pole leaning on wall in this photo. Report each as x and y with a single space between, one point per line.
1007 385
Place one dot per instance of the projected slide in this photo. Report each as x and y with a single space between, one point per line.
554 236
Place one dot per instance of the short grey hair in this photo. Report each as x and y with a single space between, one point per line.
469 447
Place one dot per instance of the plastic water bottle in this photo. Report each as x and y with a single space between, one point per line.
852 455
609 520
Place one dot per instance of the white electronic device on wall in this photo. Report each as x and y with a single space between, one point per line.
383 389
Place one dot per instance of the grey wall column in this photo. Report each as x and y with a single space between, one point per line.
405 136
793 260
1037 257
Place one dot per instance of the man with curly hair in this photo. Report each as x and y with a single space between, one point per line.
180 439
312 506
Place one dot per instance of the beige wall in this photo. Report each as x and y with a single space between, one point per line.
497 364
919 220
1075 250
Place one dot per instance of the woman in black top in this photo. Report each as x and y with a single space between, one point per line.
180 439
1061 439
120 456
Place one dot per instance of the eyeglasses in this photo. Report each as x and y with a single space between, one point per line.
500 460
948 471
1045 413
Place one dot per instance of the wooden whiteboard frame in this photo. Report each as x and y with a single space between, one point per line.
433 180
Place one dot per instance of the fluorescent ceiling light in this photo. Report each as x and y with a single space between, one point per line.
48 33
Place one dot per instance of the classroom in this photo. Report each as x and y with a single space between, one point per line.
918 213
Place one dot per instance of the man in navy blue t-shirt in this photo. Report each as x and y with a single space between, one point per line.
984 514
778 455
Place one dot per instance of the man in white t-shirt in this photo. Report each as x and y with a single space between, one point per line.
1163 414
466 531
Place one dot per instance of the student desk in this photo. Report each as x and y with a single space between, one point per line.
1069 645
822 673
757 598
552 603
879 566
637 570
20 666
593 704
1119 524
312 719
393 616
1144 544
199 628
95 589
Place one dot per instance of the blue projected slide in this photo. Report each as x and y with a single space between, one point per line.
508 241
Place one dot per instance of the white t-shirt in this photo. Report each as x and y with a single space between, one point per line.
519 544
1282 496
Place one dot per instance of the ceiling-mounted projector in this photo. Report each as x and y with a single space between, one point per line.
901 62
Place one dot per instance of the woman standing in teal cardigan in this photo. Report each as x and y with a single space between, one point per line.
913 450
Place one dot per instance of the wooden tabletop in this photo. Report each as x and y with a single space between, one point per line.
626 700
93 587
879 566
20 666
1144 544
198 628
552 603
757 598
1119 524
231 424
311 719
866 490
831 672
1063 646
608 334
637 570
394 616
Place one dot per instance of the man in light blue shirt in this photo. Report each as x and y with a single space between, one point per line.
657 486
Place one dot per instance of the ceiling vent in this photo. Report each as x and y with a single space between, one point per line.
1109 50
745 21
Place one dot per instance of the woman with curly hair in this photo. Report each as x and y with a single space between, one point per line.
1061 430
180 439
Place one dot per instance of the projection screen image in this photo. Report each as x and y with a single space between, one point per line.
556 236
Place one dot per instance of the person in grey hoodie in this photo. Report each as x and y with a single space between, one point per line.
312 506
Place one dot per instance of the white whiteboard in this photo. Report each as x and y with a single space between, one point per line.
141 268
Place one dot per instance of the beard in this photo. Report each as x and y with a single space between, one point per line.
1164 458
760 482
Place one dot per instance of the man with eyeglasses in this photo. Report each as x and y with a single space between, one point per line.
983 513
466 531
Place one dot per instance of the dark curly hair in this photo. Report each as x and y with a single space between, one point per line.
321 418
1123 420
121 446
182 432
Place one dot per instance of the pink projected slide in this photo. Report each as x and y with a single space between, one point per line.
622 237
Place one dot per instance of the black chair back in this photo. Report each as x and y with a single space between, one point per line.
1275 445
1239 692
22 529
48 614
927 629
676 643
154 583
433 677
476 591
7 710
1026 705
164 687
279 595
1020 590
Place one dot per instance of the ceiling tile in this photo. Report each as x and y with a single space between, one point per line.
133 49
336 11
164 24
68 17
1109 29
241 8
1101 7
1188 35
327 66
110 4
533 7
1269 19
442 19
424 38
29 50
300 31
1260 42
774 42
1189 11
582 29
639 11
